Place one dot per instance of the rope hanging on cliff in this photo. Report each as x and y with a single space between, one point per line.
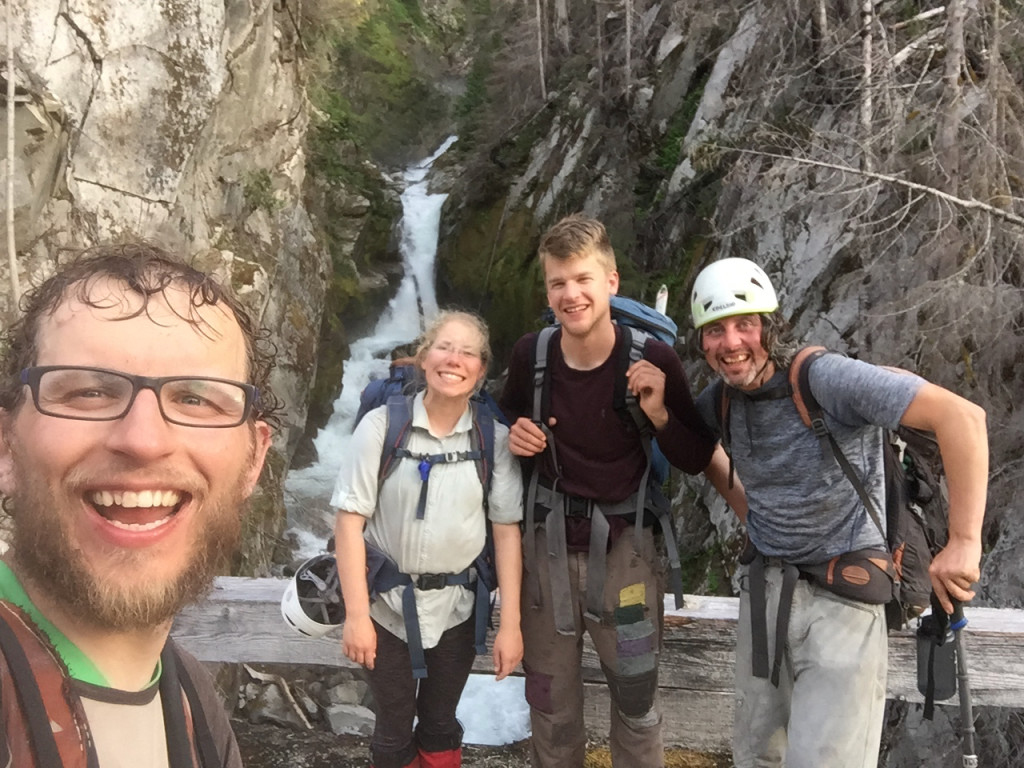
12 255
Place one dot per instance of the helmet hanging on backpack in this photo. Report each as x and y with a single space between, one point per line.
731 287
312 602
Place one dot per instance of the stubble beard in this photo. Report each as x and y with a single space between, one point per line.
122 598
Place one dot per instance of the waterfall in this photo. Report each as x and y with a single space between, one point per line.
308 490
492 713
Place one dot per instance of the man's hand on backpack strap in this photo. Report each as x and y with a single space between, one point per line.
954 570
527 439
647 382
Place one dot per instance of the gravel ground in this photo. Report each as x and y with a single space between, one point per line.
270 746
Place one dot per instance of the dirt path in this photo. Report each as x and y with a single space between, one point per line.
270 746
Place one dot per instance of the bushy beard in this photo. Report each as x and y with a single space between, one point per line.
123 598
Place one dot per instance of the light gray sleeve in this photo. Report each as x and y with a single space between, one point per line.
857 394
505 502
356 487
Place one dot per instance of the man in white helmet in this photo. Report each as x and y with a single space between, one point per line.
823 703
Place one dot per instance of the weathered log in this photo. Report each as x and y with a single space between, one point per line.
241 622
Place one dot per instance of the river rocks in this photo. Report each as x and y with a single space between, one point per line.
303 698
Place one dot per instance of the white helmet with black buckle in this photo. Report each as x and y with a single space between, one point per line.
312 602
731 287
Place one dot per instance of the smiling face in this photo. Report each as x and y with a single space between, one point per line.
579 292
732 347
452 363
121 523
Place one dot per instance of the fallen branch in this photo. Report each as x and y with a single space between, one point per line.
960 201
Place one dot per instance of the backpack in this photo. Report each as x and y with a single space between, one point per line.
915 514
401 380
54 730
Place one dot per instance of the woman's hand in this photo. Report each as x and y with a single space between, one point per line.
359 640
508 650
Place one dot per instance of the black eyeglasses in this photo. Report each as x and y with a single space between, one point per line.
99 394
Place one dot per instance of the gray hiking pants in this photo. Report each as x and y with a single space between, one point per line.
627 638
829 705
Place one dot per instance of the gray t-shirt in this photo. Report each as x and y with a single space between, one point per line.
801 505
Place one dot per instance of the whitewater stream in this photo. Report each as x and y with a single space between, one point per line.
491 713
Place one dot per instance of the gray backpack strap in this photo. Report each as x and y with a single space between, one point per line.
540 366
556 549
758 617
637 343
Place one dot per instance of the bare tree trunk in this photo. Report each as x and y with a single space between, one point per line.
599 24
867 18
540 49
946 144
629 43
12 254
821 25
562 23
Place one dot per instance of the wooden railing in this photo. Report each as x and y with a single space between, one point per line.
241 622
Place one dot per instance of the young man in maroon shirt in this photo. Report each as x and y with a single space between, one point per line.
591 463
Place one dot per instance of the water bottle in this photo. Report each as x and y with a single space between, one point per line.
936 658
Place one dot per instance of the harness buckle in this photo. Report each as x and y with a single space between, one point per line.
819 427
429 581
577 506
451 456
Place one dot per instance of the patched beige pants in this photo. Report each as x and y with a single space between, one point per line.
830 702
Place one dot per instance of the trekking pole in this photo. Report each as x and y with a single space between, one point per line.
957 623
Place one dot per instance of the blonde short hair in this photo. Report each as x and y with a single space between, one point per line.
577 236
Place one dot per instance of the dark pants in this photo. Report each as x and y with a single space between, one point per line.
399 699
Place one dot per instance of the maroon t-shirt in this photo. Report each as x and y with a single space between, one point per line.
600 454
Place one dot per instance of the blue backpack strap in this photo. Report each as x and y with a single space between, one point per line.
399 424
482 441
486 576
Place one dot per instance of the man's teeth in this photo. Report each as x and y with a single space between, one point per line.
139 526
130 499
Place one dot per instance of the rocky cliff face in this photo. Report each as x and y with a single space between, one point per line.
888 224
876 176
182 123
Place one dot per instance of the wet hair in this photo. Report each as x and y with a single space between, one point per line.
574 237
147 271
446 316
776 338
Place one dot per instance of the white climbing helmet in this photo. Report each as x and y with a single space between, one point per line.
312 603
731 287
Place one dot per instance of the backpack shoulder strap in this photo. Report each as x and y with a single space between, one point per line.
720 400
56 732
399 423
799 381
482 441
541 380
631 350
813 416
196 723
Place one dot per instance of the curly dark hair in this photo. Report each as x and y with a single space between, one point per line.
147 270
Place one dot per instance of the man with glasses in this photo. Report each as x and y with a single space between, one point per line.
134 414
